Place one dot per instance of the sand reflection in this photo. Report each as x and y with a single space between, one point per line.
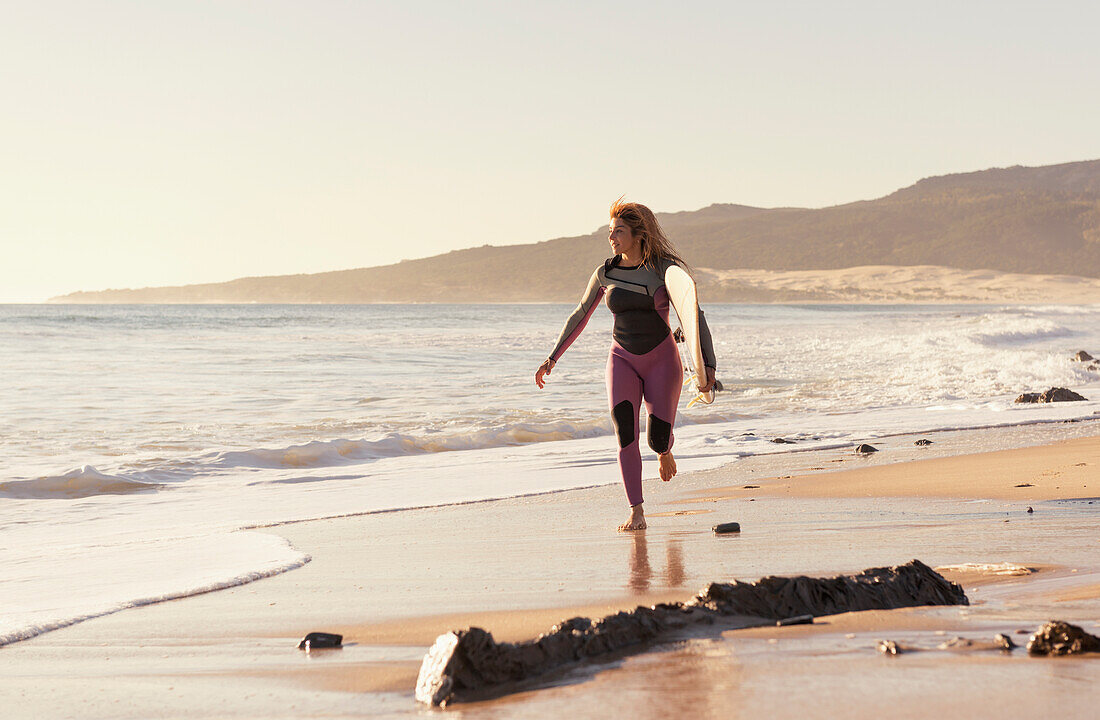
641 571
674 572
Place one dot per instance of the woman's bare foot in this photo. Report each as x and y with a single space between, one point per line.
636 521
668 465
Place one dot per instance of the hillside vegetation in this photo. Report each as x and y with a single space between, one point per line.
1041 220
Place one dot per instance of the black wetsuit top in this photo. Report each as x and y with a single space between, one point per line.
637 297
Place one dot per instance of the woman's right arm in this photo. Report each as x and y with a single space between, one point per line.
579 318
574 325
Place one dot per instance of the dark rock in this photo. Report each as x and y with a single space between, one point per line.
796 620
782 441
319 640
1061 638
923 441
1004 641
723 528
1083 356
866 449
888 647
750 487
1060 395
469 664
1051 395
1029 509
1024 485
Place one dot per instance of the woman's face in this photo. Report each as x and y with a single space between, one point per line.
621 239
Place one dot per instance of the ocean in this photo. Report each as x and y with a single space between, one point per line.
148 446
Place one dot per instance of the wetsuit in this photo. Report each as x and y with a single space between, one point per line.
643 363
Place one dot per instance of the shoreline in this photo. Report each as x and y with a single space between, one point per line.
780 457
390 582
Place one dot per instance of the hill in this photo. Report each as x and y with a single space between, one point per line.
1036 220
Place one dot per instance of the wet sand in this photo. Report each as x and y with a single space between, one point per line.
1058 471
391 582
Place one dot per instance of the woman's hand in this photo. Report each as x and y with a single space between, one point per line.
710 381
543 370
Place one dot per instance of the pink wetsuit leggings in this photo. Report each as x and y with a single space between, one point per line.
657 377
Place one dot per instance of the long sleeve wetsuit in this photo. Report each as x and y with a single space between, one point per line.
643 362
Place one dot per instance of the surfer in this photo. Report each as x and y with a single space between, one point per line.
644 363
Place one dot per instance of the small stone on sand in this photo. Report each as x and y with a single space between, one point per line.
319 640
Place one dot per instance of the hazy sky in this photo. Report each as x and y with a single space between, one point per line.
153 143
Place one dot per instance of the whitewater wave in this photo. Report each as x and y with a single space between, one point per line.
329 453
82 482
87 481
1022 333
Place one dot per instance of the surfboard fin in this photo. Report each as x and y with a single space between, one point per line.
706 398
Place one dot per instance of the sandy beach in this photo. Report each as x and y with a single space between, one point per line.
898 284
353 318
391 582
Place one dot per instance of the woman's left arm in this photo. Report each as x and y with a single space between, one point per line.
706 344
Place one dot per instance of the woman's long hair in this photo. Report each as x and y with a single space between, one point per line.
644 226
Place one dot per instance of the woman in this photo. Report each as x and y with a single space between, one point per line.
644 362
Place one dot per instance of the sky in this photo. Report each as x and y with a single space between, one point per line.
153 143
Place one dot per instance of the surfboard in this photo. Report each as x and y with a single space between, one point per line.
685 300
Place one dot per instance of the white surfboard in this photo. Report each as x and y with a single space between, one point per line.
685 300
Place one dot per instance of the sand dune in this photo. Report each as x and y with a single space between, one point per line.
894 284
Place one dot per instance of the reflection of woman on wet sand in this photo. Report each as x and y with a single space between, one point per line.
640 571
644 362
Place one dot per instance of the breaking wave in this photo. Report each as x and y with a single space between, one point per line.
79 483
1022 331
325 453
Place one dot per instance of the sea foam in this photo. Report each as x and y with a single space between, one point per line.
50 591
